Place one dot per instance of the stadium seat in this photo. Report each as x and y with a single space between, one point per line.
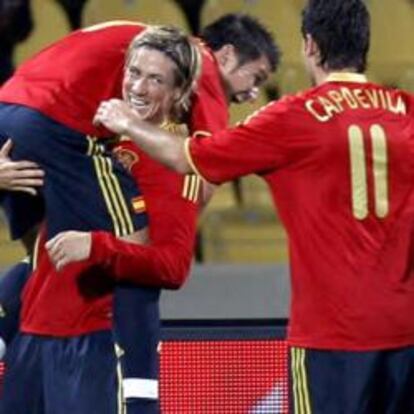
391 49
50 24
246 233
407 79
224 198
10 252
151 12
243 235
255 193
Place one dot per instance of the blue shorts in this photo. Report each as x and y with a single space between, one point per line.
61 376
11 286
85 187
340 382
137 333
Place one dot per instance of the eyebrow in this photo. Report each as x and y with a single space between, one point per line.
158 74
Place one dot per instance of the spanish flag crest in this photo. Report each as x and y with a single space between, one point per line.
138 204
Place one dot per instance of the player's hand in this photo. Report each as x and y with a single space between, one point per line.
18 175
68 247
115 115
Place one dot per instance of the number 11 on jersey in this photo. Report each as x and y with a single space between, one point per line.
359 183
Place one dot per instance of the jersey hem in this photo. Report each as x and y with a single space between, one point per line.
32 329
341 346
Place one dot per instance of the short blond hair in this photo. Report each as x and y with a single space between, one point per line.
182 50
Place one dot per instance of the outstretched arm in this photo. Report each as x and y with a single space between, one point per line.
161 145
165 265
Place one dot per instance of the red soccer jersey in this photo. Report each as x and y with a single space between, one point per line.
87 68
209 107
68 80
63 304
172 207
339 161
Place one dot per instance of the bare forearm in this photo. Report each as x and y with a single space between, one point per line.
159 144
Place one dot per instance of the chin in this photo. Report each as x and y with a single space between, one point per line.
143 114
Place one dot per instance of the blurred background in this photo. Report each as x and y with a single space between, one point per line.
240 235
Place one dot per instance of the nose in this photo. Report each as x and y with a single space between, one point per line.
139 86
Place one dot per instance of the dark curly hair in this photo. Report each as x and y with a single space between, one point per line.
341 29
248 35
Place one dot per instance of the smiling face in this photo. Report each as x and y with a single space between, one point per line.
149 84
242 82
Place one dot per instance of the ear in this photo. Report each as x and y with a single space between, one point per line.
177 95
227 57
310 48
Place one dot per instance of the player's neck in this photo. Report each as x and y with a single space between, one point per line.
321 74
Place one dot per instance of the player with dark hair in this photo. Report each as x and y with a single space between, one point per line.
350 53
250 41
338 161
165 266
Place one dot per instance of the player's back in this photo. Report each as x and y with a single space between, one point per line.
68 79
346 197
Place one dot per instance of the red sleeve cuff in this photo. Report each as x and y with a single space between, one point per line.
100 249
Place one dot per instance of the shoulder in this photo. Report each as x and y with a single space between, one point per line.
408 99
209 66
115 27
277 108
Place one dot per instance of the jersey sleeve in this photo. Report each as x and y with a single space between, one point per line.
409 101
172 207
159 265
260 144
209 109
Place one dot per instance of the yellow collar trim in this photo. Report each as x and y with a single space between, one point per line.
346 77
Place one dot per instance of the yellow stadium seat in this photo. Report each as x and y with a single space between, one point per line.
392 33
407 79
150 12
243 236
50 24
223 198
255 193
250 233
10 252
